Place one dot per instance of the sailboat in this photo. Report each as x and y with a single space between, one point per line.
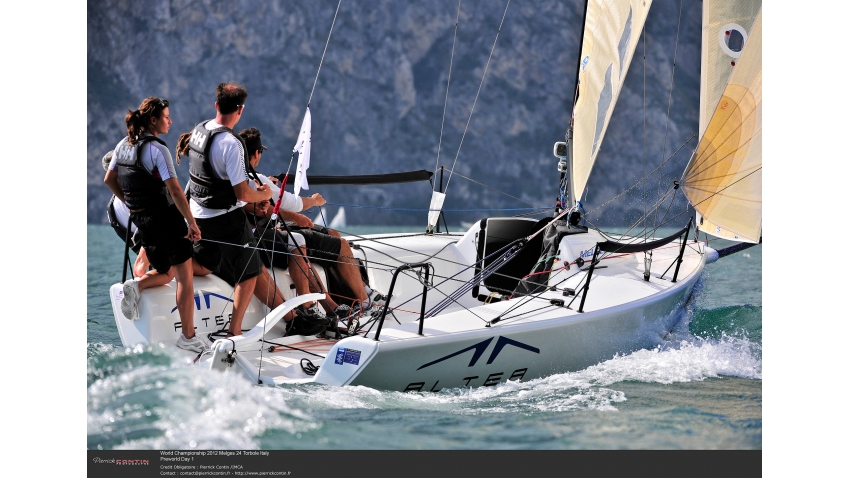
514 299
338 221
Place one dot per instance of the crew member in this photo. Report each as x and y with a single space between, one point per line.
142 175
218 188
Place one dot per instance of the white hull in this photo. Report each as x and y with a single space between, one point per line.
622 313
565 343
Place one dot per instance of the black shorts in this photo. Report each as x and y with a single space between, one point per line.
162 232
232 262
322 248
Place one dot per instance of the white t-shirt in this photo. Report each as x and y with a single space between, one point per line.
156 159
228 162
122 214
290 202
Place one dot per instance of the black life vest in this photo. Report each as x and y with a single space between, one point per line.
205 187
142 190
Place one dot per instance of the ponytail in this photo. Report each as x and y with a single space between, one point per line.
134 126
182 146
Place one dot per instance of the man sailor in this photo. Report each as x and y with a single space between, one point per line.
218 188
258 214
325 246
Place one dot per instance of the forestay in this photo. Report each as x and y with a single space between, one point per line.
723 179
611 33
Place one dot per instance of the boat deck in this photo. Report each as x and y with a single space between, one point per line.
282 362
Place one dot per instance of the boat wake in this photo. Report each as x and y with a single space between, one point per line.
147 398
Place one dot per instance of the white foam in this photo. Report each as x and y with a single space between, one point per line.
135 403
689 360
178 407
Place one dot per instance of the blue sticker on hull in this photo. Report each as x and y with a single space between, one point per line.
340 356
352 356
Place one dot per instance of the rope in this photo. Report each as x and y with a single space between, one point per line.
293 348
356 206
498 191
476 95
443 122
323 55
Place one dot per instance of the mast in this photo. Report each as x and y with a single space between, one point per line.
568 135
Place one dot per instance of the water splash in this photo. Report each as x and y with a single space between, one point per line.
149 398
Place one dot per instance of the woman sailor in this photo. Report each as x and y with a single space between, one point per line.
142 175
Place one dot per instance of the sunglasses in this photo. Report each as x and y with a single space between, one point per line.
163 102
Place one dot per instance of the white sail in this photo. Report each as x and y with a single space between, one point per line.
723 179
611 33
339 219
726 25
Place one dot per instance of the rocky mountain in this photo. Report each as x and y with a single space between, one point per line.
378 102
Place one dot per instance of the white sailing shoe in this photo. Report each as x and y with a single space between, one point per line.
130 301
193 345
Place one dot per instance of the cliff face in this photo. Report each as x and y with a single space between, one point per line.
378 103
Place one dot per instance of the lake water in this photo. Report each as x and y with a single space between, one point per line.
700 390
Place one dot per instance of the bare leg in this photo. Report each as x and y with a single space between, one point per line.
299 268
269 294
141 265
349 268
185 297
328 304
306 280
199 270
241 298
155 279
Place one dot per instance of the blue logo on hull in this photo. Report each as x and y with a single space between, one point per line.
206 299
480 347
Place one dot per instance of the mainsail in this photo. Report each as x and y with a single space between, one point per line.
611 33
723 179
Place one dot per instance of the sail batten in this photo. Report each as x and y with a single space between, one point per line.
610 36
723 178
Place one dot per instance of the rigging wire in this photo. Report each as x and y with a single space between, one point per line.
481 84
705 166
719 191
358 206
445 260
323 54
451 297
448 84
644 123
670 98
643 179
502 192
